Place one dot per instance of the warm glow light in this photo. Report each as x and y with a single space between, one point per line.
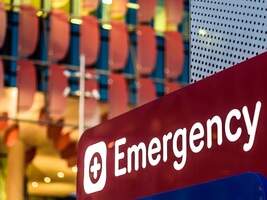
96 94
35 184
76 21
106 26
66 91
39 13
107 1
47 180
74 169
133 5
60 175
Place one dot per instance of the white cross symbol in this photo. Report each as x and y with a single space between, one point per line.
95 167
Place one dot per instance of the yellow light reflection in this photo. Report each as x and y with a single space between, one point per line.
47 179
60 175
76 21
39 13
74 169
107 26
133 5
35 184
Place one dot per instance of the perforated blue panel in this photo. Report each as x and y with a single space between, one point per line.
224 33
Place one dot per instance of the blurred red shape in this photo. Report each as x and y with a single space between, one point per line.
69 151
90 4
72 161
28 37
146 10
118 95
90 39
174 54
2 76
118 8
118 46
30 154
146 91
27 84
172 86
57 83
54 130
3 120
59 36
11 135
43 116
62 141
174 11
3 24
146 50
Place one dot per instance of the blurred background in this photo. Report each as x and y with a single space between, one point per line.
68 65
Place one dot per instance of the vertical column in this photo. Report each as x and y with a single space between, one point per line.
15 172
75 8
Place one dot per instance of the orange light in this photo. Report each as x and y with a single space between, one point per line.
11 135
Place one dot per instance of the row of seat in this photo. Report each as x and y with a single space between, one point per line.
118 104
59 37
58 44
58 82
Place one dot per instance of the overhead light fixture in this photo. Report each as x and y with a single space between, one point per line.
107 26
133 5
47 179
60 175
107 2
76 21
35 184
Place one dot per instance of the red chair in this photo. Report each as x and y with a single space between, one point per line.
147 10
172 86
54 130
28 35
59 36
3 121
174 11
90 5
89 39
146 91
146 50
57 84
26 84
174 54
118 95
3 24
118 46
62 141
91 86
118 8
